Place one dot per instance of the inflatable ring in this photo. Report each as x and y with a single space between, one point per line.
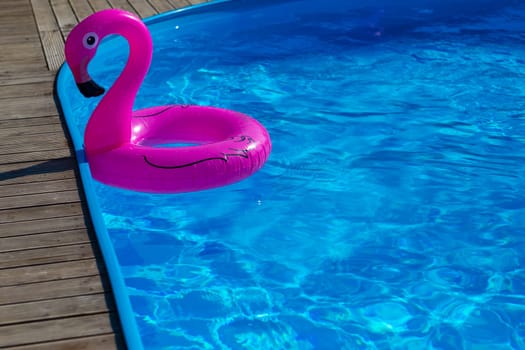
131 149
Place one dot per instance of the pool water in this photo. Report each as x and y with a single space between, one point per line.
390 214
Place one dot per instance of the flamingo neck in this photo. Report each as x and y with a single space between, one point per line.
110 124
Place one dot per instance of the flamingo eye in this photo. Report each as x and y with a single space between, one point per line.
90 40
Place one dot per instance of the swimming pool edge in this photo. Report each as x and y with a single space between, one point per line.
122 300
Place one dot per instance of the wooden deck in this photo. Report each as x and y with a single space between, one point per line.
54 293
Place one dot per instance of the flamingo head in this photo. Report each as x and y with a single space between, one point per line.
82 44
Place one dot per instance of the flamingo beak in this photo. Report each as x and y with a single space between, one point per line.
90 88
85 84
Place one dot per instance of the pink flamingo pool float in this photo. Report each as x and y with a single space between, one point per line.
124 148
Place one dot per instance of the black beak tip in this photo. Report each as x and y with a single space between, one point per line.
90 89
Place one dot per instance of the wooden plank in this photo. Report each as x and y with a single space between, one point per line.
58 329
39 199
28 122
50 35
35 155
61 227
38 187
45 18
27 90
48 272
39 171
44 240
48 131
99 342
143 8
14 8
123 5
12 15
54 308
34 139
51 290
26 76
81 9
29 64
24 107
179 3
42 142
99 5
34 152
15 36
13 52
64 15
33 142
161 5
45 255
46 212
53 44
20 26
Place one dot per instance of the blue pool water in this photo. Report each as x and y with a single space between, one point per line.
391 212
